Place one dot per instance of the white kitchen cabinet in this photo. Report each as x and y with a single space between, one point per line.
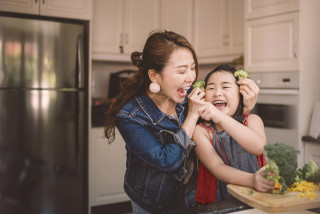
75 9
258 8
289 42
312 152
177 16
122 26
107 165
218 30
272 43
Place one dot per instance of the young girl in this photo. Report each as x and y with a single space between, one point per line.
229 144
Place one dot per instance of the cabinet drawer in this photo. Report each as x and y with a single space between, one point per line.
258 8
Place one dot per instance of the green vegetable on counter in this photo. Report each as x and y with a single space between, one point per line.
241 74
309 172
200 84
285 157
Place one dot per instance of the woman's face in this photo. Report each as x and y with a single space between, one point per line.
178 75
223 92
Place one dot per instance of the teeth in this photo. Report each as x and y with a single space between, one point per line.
217 102
186 88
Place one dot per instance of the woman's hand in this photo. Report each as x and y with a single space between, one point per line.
250 91
260 183
195 101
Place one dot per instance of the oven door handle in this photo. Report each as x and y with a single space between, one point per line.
279 91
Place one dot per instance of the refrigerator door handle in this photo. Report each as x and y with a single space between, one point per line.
79 62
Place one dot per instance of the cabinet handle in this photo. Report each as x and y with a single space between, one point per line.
121 48
43 1
36 1
126 38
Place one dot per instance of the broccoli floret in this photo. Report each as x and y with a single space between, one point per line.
285 157
200 84
241 74
272 167
312 173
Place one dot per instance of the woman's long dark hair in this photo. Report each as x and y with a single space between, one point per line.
156 54
238 115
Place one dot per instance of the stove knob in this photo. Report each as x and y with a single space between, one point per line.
259 81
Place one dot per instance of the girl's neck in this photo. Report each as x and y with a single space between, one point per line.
218 127
165 105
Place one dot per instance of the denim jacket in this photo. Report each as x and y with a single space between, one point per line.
157 148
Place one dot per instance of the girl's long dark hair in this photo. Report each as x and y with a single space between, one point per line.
238 115
156 53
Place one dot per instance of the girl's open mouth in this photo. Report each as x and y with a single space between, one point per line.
220 104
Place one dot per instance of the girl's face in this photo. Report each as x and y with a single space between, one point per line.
223 92
178 75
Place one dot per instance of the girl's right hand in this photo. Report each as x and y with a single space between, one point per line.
194 97
260 183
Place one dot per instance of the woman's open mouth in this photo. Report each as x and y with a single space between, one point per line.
182 92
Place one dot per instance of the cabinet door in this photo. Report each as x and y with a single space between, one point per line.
258 8
177 16
211 35
107 27
141 17
21 6
236 26
107 165
76 9
272 43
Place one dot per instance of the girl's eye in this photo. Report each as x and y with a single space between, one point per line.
226 87
210 88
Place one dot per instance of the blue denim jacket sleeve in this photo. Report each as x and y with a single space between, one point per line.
167 152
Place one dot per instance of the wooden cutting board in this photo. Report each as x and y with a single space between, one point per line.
273 202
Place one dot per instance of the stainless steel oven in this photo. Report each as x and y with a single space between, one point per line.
278 106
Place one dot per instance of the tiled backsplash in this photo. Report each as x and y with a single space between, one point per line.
100 76
101 73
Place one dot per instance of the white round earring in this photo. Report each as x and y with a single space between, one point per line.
154 87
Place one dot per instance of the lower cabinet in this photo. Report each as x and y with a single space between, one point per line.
107 165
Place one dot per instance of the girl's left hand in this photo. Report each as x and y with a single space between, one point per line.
260 183
210 113
250 91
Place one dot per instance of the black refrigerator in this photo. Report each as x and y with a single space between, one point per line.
43 116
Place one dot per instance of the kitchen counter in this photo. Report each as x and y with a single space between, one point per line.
236 206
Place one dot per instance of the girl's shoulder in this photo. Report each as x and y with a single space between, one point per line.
251 118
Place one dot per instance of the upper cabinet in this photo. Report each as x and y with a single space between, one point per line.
214 27
75 9
218 30
122 26
178 16
272 43
258 8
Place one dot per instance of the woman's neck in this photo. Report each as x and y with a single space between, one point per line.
165 105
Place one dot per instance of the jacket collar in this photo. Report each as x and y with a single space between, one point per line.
152 111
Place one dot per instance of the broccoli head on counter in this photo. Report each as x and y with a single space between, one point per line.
309 172
285 158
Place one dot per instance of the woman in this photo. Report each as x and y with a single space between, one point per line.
157 122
